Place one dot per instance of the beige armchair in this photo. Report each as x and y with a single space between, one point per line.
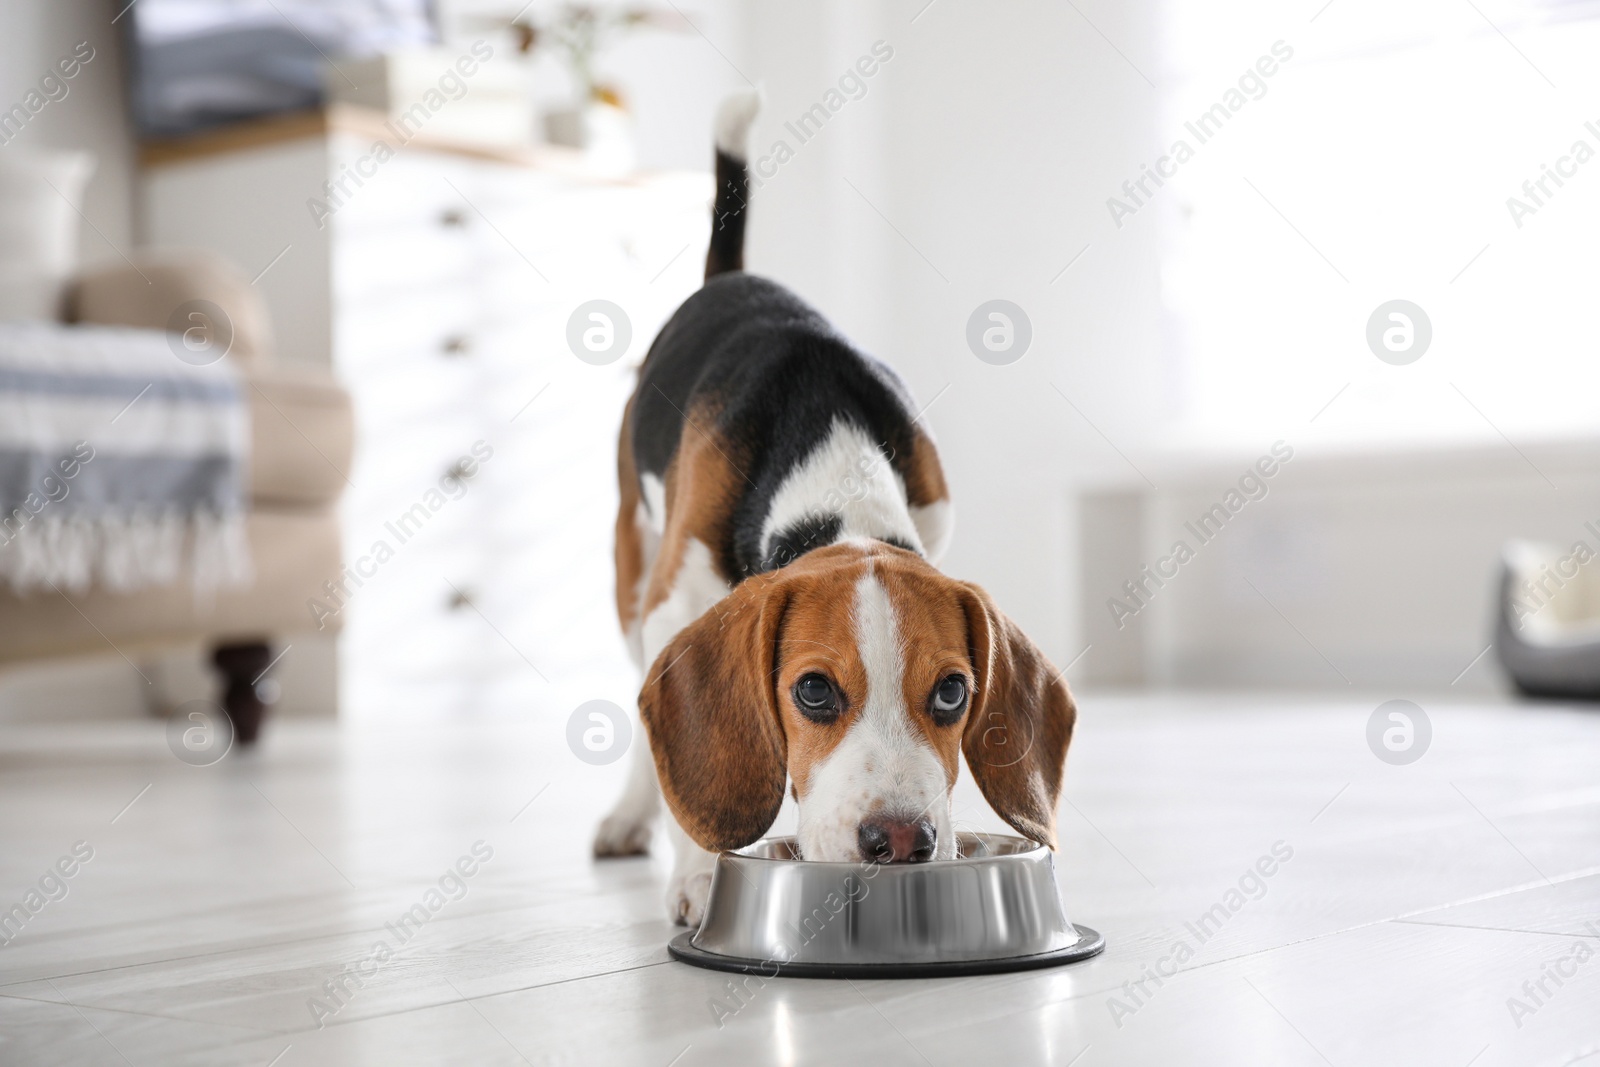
300 444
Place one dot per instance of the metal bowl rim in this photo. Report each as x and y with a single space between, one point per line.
1031 852
1090 943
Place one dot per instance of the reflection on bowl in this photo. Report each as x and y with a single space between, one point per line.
993 908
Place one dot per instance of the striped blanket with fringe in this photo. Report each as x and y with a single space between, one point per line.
121 465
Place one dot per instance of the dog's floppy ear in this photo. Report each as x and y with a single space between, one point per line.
711 712
1020 724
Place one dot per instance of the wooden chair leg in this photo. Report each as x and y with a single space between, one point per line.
241 665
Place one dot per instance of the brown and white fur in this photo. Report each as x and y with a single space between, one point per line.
781 509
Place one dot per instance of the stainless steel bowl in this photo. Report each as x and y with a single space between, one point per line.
993 908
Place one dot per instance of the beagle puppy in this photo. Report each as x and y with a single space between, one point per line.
781 507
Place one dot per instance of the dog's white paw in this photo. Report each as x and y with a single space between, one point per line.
622 834
686 898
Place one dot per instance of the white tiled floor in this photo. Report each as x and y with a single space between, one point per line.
1417 901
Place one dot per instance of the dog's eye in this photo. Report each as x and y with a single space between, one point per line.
949 699
816 697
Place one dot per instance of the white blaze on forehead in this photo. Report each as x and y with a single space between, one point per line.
847 475
884 765
878 641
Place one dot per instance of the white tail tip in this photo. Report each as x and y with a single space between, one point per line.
734 116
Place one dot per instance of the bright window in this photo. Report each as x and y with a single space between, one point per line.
1376 163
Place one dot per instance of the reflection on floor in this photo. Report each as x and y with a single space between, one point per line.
1442 912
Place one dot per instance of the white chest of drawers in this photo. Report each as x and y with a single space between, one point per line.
439 290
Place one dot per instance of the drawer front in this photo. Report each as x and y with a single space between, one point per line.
447 336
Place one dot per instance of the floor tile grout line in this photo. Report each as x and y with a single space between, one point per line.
254 1030
1434 823
92 1026
1077 996
440 920
344 1022
1496 929
1584 872
497 993
1025 987
1520 887
1524 887
1090 993
1403 917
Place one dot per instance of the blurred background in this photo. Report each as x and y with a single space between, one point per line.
1257 340
393 211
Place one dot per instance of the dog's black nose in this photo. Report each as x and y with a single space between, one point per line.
896 840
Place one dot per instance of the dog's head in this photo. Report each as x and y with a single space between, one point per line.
862 674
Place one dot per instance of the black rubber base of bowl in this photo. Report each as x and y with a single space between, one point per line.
681 948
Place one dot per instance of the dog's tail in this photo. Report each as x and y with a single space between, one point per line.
734 117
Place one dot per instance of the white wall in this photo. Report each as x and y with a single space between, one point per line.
965 146
674 82
33 35
985 146
1357 570
1375 165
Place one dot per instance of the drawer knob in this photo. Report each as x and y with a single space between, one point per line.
453 217
458 345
